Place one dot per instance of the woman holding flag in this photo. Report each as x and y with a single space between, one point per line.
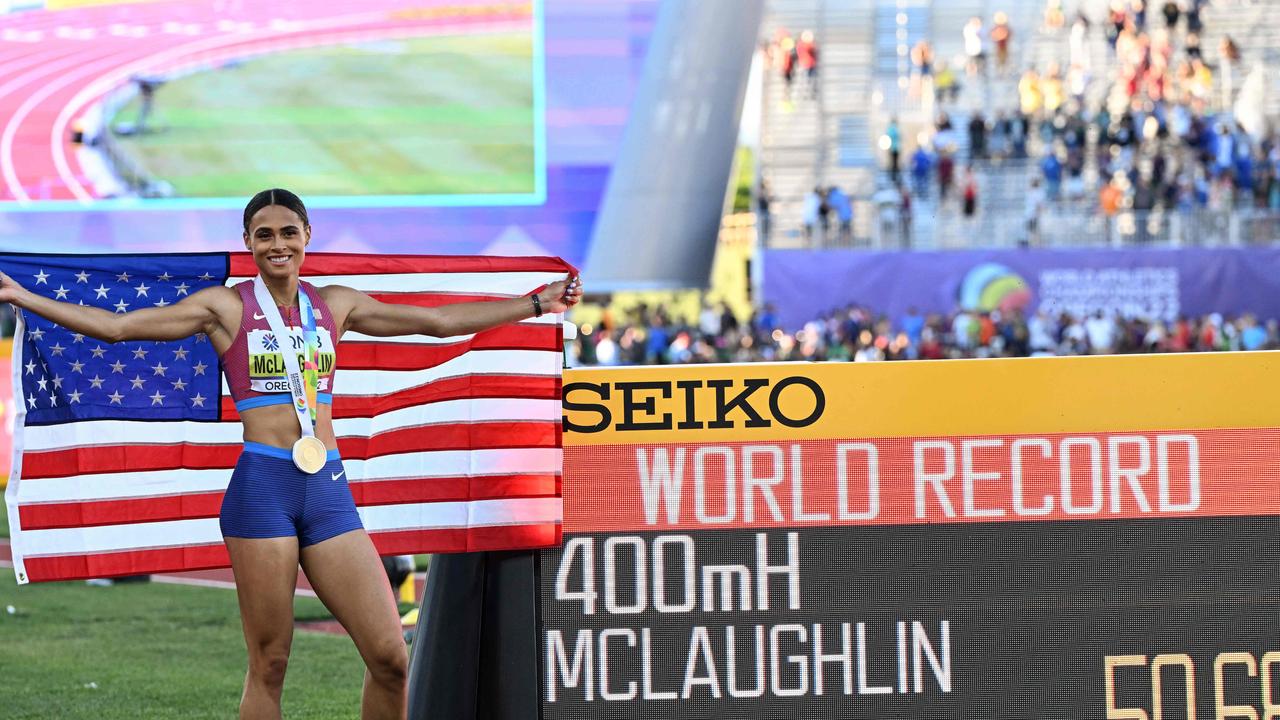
288 502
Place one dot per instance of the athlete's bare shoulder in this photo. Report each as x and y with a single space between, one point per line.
217 294
340 299
223 303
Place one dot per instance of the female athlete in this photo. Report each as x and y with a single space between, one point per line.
282 509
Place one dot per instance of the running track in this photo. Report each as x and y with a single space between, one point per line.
222 578
56 65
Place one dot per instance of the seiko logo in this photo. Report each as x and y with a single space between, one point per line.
734 403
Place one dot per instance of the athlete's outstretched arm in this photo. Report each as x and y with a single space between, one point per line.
372 317
194 314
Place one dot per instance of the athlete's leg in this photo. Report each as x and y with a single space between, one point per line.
345 572
266 572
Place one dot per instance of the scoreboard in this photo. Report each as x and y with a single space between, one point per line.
1071 538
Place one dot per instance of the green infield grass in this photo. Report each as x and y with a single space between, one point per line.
422 116
136 651
4 523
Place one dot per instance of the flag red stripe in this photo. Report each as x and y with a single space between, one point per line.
202 557
51 516
127 458
325 263
465 387
505 537
143 457
410 356
485 487
194 506
129 562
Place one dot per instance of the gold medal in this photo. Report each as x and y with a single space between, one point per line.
309 454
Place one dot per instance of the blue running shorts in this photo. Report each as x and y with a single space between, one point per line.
270 497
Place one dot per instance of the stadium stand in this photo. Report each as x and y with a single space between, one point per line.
843 137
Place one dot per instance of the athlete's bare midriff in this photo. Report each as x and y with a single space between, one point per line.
277 425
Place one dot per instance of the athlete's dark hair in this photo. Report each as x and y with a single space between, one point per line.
275 196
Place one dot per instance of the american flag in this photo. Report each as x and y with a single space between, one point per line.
122 451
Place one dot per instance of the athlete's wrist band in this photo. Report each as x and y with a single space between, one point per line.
537 306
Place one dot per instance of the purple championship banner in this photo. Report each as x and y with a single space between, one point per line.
1160 284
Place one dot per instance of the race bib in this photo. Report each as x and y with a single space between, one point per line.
266 363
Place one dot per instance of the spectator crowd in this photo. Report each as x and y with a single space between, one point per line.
1151 128
649 336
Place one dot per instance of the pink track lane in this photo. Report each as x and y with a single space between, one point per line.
46 83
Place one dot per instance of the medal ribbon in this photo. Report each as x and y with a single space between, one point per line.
304 393
311 358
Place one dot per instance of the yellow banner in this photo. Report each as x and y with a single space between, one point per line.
803 401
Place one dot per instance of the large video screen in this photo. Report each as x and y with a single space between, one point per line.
436 126
388 101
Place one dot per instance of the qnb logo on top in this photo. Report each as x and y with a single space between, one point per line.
266 363
992 286
694 404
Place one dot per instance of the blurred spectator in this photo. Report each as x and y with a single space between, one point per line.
946 172
974 45
1229 56
1030 99
807 54
1001 36
977 137
921 165
922 69
764 218
1052 90
888 202
840 204
891 143
812 211
1101 332
790 58
1035 200
969 190
1051 168
946 85
1077 44
709 320
1138 12
1054 17
1252 335
1117 21
1171 12
1194 23
904 216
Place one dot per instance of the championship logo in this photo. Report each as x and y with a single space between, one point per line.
992 286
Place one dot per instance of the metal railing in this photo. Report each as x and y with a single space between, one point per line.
885 227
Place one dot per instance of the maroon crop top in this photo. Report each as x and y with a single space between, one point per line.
253 365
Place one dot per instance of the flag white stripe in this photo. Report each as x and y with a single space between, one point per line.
428 464
425 516
89 433
487 283
477 513
385 382
119 486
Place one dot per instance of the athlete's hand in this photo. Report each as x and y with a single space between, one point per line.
561 295
10 290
